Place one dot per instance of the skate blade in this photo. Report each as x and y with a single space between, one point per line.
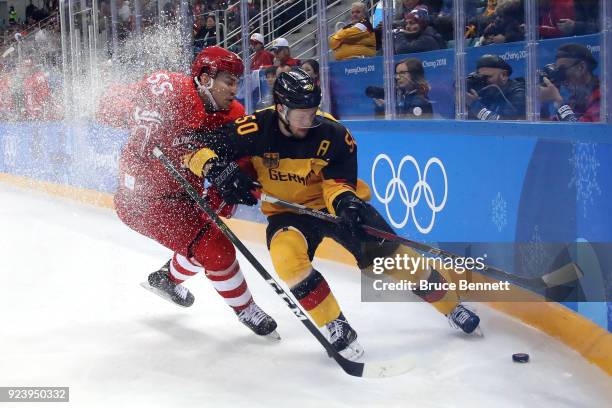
160 293
478 332
273 336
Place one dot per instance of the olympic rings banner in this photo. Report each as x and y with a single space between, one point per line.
513 192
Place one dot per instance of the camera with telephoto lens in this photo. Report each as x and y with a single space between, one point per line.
375 92
553 73
476 81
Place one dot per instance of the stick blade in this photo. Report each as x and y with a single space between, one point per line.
391 368
563 275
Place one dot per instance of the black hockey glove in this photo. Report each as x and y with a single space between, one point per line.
234 186
352 211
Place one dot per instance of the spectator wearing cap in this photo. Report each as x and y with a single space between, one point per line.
356 39
282 53
575 65
262 58
417 35
402 9
492 95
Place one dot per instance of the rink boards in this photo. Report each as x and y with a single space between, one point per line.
472 188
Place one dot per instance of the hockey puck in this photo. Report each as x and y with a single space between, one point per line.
520 358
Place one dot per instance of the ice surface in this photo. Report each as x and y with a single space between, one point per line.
73 314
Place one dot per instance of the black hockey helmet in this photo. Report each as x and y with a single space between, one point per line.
296 90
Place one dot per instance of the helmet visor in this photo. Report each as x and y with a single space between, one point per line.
303 118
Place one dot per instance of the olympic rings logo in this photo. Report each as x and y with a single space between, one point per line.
422 187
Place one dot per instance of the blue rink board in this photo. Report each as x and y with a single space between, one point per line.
505 183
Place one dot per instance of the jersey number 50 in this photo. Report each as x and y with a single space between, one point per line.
248 127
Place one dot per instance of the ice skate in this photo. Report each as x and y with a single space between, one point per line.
344 339
463 318
258 321
159 283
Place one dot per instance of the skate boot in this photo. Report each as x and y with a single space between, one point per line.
258 321
161 285
463 318
344 339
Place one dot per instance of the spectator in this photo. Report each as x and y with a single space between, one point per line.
412 89
586 22
6 95
31 11
574 68
507 25
267 98
206 35
357 39
288 15
126 19
311 67
282 53
492 95
262 58
169 10
123 11
418 35
12 16
401 10
39 102
552 13
149 13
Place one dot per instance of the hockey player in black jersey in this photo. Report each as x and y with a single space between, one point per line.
302 155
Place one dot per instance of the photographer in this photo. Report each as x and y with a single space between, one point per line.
412 89
492 95
573 69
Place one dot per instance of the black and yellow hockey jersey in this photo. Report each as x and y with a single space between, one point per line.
311 171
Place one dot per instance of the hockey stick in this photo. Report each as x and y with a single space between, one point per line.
568 273
374 369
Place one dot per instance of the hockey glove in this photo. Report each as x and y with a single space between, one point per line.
234 186
352 211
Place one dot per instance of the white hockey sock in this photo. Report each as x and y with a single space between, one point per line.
232 286
182 268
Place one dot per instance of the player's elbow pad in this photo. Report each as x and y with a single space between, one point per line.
197 161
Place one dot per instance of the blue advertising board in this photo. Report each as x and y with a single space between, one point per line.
544 188
349 79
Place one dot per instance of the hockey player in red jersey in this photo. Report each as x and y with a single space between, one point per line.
168 108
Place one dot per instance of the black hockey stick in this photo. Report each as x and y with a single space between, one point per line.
568 273
373 369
